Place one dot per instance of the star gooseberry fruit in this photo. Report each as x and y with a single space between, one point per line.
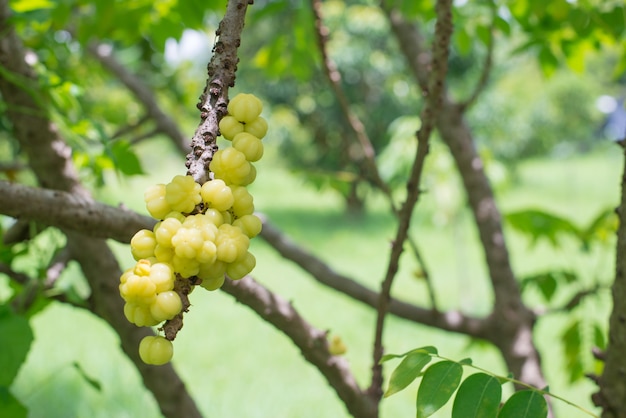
202 235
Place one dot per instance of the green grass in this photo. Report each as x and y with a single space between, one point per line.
238 366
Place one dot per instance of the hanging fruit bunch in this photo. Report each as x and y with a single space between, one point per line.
203 233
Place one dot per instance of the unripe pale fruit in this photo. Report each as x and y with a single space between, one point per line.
213 284
251 225
217 195
336 346
244 202
245 107
155 350
229 127
166 230
162 275
142 244
231 243
155 201
182 194
166 306
257 127
241 267
249 145
212 271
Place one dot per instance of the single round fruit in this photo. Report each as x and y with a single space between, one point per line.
217 195
245 107
249 145
257 127
166 306
155 350
142 244
229 127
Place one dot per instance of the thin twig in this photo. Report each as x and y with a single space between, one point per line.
334 77
358 128
441 42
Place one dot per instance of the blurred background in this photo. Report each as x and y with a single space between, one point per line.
545 125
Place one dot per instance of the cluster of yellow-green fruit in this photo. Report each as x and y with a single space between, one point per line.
203 231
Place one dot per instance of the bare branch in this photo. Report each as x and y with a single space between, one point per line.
441 42
334 77
214 99
312 342
70 211
164 123
453 321
511 320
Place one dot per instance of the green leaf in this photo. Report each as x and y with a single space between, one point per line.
23 6
572 346
438 384
548 61
15 339
540 224
478 397
407 371
92 382
126 161
427 349
547 282
599 338
502 25
601 229
10 406
463 41
525 404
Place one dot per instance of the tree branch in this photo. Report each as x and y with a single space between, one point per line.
612 394
312 342
70 211
511 321
104 224
453 321
214 99
358 128
334 78
441 42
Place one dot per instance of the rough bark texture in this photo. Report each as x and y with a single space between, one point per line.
71 212
612 395
214 99
49 158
